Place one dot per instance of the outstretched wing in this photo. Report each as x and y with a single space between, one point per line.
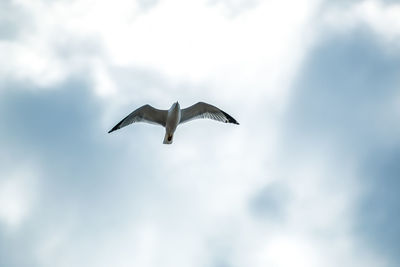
203 110
145 113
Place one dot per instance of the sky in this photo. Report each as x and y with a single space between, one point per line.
309 177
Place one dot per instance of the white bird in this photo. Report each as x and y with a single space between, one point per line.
174 116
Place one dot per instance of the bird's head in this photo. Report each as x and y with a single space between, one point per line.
175 106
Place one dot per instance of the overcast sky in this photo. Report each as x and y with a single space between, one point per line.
309 178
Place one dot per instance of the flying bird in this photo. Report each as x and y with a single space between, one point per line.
170 119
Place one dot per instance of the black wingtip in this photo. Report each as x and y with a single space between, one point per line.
230 118
116 127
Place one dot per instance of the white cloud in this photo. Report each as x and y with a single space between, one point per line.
284 251
18 192
194 42
184 41
380 17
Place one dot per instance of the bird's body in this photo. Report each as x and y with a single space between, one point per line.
170 119
173 119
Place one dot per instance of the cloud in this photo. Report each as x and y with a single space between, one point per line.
271 202
343 110
12 20
288 181
172 38
235 7
58 129
380 16
17 196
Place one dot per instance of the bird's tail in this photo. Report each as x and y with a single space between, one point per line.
168 138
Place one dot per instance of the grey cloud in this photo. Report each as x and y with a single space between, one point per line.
16 251
344 91
269 204
379 210
12 20
343 98
86 172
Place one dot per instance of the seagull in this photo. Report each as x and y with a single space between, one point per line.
170 119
